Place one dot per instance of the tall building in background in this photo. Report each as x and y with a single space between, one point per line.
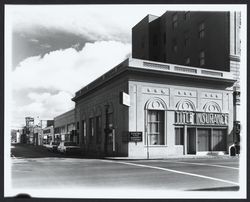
209 40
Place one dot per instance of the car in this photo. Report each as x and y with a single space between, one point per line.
68 147
52 146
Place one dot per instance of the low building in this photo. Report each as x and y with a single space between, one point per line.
48 134
150 109
65 127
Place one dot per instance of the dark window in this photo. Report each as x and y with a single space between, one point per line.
202 58
174 45
143 42
77 125
187 60
179 136
156 127
202 30
155 40
98 129
187 15
175 21
164 38
186 39
91 129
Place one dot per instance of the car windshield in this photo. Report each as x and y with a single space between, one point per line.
70 144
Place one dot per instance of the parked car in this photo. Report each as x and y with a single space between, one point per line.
52 146
68 147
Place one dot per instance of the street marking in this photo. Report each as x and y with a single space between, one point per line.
202 164
175 171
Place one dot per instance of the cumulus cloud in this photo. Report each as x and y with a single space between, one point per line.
68 70
96 22
63 72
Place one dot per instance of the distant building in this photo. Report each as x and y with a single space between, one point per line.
48 134
65 127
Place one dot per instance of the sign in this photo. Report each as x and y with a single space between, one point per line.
201 118
124 99
135 136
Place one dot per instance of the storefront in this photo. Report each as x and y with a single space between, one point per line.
150 109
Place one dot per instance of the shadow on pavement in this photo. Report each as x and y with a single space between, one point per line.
31 151
233 188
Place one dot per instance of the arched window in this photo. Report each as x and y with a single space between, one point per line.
155 121
212 107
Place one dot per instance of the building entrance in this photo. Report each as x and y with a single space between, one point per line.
191 140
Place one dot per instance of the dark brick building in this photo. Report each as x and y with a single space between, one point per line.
198 39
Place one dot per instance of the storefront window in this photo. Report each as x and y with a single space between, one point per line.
179 136
156 127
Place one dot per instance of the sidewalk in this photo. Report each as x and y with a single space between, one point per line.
176 157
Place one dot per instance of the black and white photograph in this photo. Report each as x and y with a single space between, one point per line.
125 101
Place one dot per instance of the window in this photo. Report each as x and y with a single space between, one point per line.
174 45
98 129
155 127
202 30
174 21
155 40
202 58
186 40
164 38
187 61
179 136
187 15
84 139
91 128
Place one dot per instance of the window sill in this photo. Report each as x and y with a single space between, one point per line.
156 146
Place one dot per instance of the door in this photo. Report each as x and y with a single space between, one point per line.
204 139
191 141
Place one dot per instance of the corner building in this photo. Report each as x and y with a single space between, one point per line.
155 109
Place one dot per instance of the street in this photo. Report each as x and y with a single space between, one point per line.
55 170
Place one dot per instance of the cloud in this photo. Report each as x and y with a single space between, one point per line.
62 73
94 22
68 70
34 40
45 45
43 105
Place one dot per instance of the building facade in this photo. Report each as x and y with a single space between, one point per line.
65 127
48 134
189 38
150 109
184 38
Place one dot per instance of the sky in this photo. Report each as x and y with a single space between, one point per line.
57 49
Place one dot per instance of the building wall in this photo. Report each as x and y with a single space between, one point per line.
92 105
64 124
48 135
215 43
142 92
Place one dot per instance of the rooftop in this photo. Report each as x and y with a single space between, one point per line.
167 68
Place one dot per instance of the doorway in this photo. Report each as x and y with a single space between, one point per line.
191 140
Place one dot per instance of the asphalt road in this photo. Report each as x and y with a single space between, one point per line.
59 171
